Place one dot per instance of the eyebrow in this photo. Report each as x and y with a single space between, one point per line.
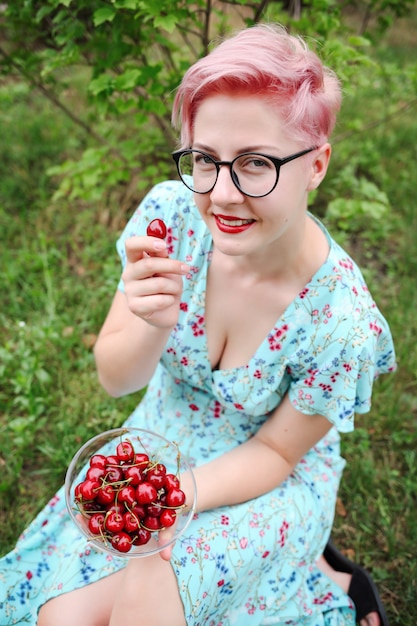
208 149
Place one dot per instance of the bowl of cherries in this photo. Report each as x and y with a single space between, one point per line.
123 491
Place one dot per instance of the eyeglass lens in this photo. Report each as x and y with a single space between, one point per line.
253 174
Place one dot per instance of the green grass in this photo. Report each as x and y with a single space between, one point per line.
59 272
378 496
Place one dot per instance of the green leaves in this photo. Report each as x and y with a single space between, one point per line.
125 58
128 80
167 22
107 14
126 4
103 84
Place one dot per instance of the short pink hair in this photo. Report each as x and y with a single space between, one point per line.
264 60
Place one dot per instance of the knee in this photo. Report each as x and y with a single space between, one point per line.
47 615
64 611
90 605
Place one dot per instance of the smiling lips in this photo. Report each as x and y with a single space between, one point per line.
231 224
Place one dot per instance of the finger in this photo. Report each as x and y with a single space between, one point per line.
163 265
159 247
137 284
137 246
149 266
164 537
166 553
82 521
151 305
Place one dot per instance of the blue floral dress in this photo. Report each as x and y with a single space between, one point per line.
251 564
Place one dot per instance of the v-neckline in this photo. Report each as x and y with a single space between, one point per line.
281 319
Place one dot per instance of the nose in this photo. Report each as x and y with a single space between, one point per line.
225 191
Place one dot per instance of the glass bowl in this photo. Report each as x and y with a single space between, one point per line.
152 519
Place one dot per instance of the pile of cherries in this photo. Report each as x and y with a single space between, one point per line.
126 496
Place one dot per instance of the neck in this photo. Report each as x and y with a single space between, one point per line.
287 260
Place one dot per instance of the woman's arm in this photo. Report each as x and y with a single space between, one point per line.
261 463
140 320
127 350
256 466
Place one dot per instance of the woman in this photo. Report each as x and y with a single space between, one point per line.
257 339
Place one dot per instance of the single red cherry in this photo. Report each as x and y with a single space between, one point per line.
131 522
133 474
141 460
98 460
156 475
112 460
139 511
89 488
96 472
125 451
157 228
106 495
167 518
91 507
127 494
154 509
141 537
152 523
122 542
114 522
146 493
116 508
96 524
175 498
77 493
171 482
114 474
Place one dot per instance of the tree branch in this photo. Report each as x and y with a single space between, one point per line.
401 109
52 97
206 28
260 9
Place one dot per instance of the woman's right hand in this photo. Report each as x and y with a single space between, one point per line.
153 281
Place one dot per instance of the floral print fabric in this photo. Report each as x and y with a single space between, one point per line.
254 563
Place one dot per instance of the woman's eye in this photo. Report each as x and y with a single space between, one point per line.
254 162
203 159
257 162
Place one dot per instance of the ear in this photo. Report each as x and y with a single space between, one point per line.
319 166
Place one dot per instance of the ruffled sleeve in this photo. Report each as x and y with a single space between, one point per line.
343 345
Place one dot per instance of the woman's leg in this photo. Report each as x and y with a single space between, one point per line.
149 589
88 606
343 580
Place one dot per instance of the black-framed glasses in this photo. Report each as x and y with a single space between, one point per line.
253 173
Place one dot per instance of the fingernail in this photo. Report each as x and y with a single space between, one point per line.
159 244
184 269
